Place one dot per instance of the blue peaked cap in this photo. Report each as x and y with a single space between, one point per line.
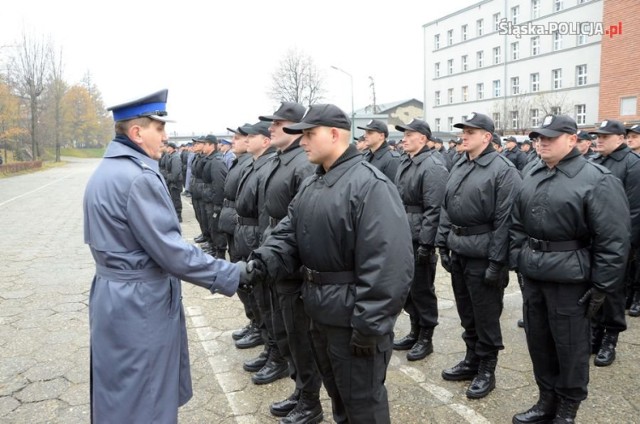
153 106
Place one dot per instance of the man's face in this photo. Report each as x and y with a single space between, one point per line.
607 143
583 145
197 148
373 138
633 140
317 143
474 140
511 144
279 138
239 144
553 149
413 142
209 148
152 138
256 144
224 147
526 147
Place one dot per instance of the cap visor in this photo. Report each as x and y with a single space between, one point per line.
271 118
545 133
298 128
159 118
233 131
402 128
603 132
461 125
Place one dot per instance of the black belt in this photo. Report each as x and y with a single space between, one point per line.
471 231
226 203
556 246
413 209
248 221
320 278
273 221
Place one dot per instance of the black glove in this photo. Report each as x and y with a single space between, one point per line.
445 259
423 254
492 275
251 273
595 298
362 346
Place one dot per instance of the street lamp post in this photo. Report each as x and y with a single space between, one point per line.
353 110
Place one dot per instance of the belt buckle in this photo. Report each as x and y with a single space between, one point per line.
308 275
535 244
456 230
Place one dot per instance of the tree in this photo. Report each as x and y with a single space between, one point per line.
10 129
29 70
552 103
81 118
297 80
57 88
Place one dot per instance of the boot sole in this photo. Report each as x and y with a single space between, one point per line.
314 420
280 413
481 395
401 347
543 421
603 364
282 374
249 345
252 369
464 377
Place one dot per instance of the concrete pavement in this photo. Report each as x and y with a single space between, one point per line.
45 276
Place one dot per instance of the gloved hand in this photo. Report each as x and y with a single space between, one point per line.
492 274
595 298
251 273
423 253
362 346
445 259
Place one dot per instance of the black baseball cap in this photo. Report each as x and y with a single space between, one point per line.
584 135
260 127
199 139
288 111
634 128
361 138
437 140
610 126
321 115
417 125
237 130
511 138
495 138
554 126
477 120
376 125
210 139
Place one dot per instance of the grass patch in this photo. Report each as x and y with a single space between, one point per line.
82 153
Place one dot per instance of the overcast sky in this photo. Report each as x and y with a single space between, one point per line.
216 58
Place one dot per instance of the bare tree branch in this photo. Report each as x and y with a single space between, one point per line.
297 80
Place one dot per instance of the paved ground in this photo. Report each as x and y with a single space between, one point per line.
45 274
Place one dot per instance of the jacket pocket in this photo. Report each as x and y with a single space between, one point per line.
330 304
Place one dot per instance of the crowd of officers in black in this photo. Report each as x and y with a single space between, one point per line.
565 218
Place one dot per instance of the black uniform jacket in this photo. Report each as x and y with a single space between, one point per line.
228 215
349 218
385 159
421 182
479 192
214 174
576 200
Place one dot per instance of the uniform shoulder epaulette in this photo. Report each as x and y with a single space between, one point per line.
394 153
506 160
599 167
140 163
376 172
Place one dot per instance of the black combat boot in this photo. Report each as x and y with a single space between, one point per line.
607 353
409 340
634 309
275 368
596 338
463 370
238 334
283 407
423 347
256 364
567 411
199 239
542 412
485 381
252 339
307 411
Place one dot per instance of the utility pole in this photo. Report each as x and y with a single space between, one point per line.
374 107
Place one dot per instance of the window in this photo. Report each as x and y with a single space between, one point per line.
497 55
465 93
480 91
480 27
496 88
582 39
557 41
463 61
556 110
436 69
515 50
436 41
496 120
581 114
628 106
535 118
450 67
557 5
556 77
480 59
535 46
496 22
449 37
437 124
534 79
515 14
581 75
514 119
450 95
515 85
463 32
535 9
436 98
450 123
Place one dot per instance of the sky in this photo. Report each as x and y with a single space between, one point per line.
217 58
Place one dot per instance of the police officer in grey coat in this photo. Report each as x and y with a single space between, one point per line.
378 152
421 182
565 244
139 354
356 267
474 225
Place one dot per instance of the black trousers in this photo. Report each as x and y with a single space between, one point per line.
479 305
291 326
204 219
176 198
217 239
355 384
261 306
198 209
558 336
422 303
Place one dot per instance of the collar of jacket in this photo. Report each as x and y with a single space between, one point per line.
569 165
384 147
119 149
350 157
419 157
264 158
288 154
620 153
486 157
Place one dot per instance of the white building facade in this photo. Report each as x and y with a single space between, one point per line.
515 61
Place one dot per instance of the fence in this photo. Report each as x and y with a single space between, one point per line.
14 167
